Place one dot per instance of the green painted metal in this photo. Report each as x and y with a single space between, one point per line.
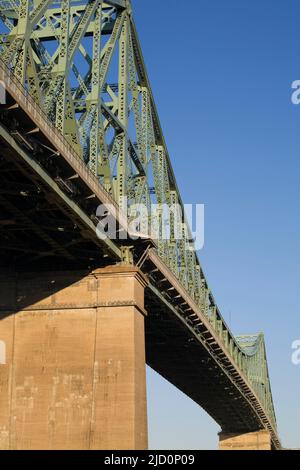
82 63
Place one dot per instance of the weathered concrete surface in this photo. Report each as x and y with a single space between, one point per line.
74 376
260 440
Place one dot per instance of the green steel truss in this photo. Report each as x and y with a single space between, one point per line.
82 62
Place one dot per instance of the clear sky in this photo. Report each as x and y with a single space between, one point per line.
221 73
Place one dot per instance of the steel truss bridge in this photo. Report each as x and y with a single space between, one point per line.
80 128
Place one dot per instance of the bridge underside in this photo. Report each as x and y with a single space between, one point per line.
43 215
36 228
175 353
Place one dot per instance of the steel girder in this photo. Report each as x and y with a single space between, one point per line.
82 63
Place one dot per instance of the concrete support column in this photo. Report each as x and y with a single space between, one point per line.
120 414
259 440
74 373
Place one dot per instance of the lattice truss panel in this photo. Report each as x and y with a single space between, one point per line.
82 63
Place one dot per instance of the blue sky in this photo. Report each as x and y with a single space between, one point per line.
221 73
